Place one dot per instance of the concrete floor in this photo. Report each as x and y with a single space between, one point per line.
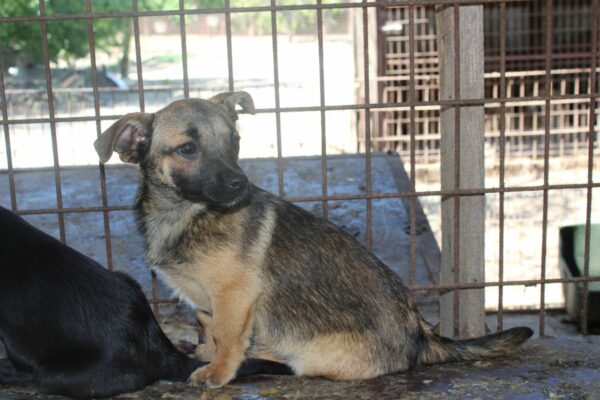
559 368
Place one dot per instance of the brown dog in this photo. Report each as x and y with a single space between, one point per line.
262 270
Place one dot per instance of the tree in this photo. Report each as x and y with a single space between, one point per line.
21 41
68 40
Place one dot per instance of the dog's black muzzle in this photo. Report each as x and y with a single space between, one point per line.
232 188
217 185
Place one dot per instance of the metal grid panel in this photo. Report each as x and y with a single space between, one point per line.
524 65
411 103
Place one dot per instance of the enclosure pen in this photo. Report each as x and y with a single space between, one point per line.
367 113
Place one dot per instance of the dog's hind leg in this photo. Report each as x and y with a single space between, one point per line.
10 375
263 353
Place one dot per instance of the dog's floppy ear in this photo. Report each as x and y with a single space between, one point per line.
230 99
129 137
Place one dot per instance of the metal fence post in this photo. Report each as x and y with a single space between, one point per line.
462 167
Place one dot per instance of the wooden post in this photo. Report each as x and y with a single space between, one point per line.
471 218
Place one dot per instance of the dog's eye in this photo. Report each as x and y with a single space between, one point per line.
187 150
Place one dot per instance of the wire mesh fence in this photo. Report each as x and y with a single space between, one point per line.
540 101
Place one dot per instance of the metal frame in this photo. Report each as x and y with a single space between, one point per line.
368 107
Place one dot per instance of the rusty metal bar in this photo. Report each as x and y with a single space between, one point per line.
367 93
9 164
277 102
374 195
138 57
456 216
51 114
590 177
548 83
184 63
323 118
102 171
229 43
412 131
226 9
481 285
140 82
368 107
344 107
502 127
471 285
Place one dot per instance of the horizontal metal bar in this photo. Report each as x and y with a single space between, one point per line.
405 106
466 285
222 10
481 285
365 196
69 210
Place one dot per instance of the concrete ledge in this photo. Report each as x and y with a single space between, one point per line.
557 368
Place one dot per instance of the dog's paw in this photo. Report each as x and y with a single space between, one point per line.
210 376
205 352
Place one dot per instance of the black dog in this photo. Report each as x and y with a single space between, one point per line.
76 328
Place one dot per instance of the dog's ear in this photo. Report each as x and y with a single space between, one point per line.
230 99
129 137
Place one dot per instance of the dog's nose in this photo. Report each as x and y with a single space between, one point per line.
236 184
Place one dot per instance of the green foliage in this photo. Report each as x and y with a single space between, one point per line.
67 39
23 41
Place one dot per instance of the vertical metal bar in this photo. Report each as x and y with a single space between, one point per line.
277 100
229 43
51 115
138 56
94 72
368 185
502 126
9 163
412 129
140 76
548 94
456 11
591 119
184 62
322 99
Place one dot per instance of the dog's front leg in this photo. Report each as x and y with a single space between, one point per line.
233 316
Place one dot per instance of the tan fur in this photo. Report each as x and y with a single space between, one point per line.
206 351
342 356
220 281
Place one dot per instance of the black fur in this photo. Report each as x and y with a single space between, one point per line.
77 329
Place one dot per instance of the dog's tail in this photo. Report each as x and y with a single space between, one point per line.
438 349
